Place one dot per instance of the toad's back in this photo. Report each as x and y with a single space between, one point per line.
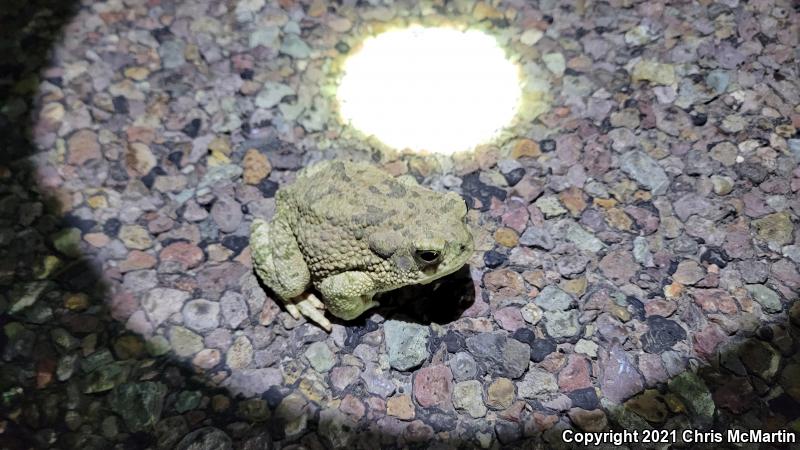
333 207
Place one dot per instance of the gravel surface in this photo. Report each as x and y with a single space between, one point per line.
636 230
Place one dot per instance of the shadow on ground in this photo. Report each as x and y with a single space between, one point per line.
52 300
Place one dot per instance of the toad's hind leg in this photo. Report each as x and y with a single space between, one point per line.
280 264
312 308
348 294
278 260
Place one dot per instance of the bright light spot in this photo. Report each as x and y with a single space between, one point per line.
436 89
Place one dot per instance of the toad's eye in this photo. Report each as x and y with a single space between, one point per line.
428 256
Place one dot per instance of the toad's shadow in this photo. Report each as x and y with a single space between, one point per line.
442 301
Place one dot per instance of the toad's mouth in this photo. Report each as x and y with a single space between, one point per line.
434 273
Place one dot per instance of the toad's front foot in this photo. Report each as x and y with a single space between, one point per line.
310 307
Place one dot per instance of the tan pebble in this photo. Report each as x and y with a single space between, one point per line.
221 145
51 115
207 358
317 8
526 148
76 302
97 202
506 237
605 202
137 73
97 240
500 394
673 290
575 287
83 147
218 253
618 219
573 200
620 312
139 158
401 407
256 166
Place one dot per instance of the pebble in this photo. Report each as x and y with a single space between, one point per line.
171 53
654 72
531 36
256 167
775 228
500 394
536 383
206 438
649 405
433 386
234 309
692 391
251 382
722 185
586 347
499 354
83 147
161 303
688 273
562 324
201 315
718 80
760 358
592 421
537 237
541 348
550 206
463 366
295 47
140 158
618 266
736 395
468 395
207 358
240 354
619 378
574 375
184 342
343 376
320 356
139 404
401 407
552 298
227 214
526 148
768 298
135 237
352 406
583 239
713 300
270 95
531 313
652 369
187 401
555 63
407 344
